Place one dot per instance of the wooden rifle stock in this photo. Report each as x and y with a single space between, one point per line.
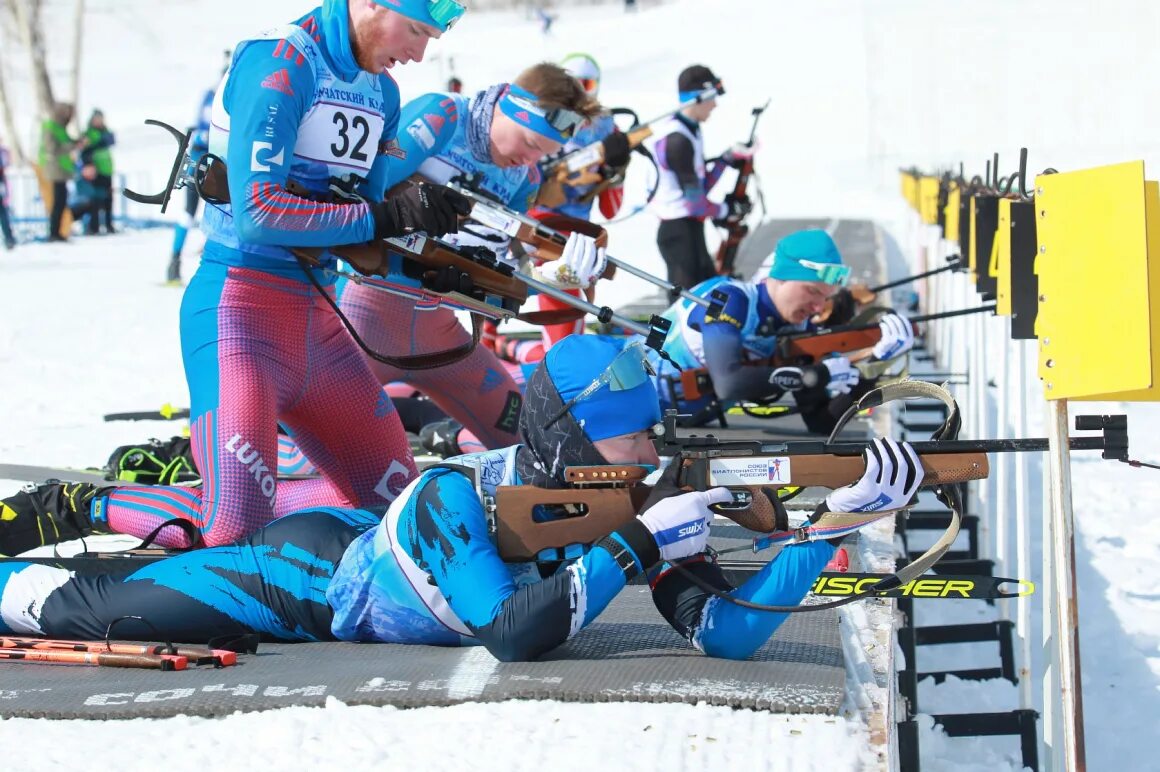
595 512
807 349
372 258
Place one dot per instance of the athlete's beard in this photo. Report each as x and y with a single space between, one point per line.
362 49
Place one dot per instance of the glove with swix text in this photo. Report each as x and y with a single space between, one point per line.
673 525
893 474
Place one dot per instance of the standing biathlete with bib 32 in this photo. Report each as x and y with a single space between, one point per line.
489 142
309 103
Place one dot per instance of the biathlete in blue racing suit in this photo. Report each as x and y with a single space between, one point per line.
736 346
429 572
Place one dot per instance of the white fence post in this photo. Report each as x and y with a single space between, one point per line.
1067 749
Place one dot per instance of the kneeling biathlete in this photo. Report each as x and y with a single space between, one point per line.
430 572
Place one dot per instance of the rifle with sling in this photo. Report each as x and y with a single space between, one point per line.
862 295
604 498
547 241
486 286
584 166
855 340
736 232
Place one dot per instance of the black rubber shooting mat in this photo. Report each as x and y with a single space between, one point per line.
629 654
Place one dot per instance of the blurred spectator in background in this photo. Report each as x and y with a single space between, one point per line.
198 147
98 140
57 165
455 85
5 223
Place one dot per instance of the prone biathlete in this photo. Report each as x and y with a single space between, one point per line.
429 572
313 103
491 142
736 346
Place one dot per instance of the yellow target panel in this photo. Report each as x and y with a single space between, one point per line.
910 189
928 188
1094 321
951 212
1152 208
1001 259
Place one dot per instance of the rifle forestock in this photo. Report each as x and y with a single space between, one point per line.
584 515
827 470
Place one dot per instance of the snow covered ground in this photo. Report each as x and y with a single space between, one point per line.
858 89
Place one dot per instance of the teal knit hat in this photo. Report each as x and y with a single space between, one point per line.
809 255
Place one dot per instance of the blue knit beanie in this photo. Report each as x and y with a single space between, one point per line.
812 245
575 362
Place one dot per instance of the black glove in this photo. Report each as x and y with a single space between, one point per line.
616 149
448 279
433 209
843 307
738 208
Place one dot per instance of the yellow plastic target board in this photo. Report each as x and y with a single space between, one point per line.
1096 228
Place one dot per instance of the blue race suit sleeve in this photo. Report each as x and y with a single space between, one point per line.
713 173
734 632
428 126
263 132
515 623
723 629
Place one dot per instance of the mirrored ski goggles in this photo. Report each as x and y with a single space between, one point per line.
589 84
446 13
557 124
829 273
708 91
627 370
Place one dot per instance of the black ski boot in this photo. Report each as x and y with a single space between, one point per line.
48 513
173 272
441 438
153 463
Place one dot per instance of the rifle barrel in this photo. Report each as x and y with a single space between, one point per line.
534 223
659 282
1024 445
603 313
916 277
923 318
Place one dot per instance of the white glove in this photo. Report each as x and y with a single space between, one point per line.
893 473
580 265
843 376
897 336
680 524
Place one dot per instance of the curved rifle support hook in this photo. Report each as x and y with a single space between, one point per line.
162 198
